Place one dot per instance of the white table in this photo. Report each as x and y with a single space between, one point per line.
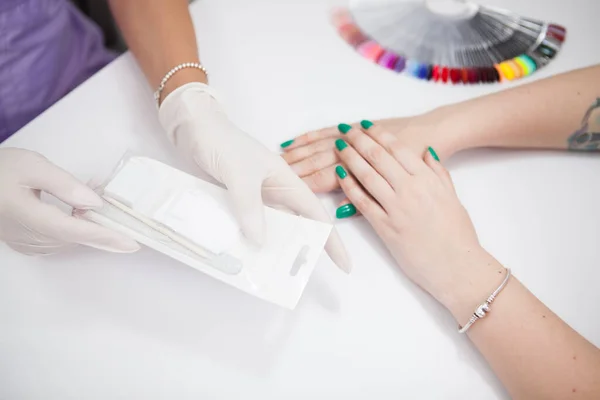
90 325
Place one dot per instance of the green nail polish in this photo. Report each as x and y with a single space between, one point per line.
345 211
366 124
340 144
286 144
344 128
433 154
341 172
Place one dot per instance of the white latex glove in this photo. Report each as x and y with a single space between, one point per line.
33 227
198 126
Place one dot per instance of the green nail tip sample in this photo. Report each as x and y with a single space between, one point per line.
433 154
344 128
345 211
286 144
366 124
340 144
341 172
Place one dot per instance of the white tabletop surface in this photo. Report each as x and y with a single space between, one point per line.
91 325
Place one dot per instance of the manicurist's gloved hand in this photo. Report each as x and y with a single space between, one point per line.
198 126
33 227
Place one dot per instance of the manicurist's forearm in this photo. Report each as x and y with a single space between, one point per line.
533 352
161 35
561 112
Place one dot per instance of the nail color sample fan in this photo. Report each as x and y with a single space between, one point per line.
449 41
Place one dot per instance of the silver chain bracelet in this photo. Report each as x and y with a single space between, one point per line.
172 72
484 308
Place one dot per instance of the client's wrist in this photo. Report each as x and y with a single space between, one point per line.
475 278
454 128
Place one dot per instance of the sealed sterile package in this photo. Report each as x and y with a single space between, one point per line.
190 220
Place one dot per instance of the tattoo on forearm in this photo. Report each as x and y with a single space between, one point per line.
588 136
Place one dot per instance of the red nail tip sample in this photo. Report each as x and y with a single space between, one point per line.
445 74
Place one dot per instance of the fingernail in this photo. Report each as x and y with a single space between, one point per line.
341 172
345 211
366 124
344 128
286 144
433 154
340 144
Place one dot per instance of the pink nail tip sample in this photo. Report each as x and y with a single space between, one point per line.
388 59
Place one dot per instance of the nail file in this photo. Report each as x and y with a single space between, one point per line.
189 220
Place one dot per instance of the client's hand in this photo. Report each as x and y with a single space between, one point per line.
410 201
312 155
200 128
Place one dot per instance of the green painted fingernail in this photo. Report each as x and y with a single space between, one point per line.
286 144
433 154
345 211
340 144
366 124
344 128
341 172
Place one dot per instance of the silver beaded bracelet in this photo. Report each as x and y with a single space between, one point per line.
172 72
484 308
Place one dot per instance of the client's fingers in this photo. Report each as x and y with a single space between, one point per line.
315 163
359 198
322 181
310 137
377 156
411 162
432 160
346 209
300 153
378 133
371 180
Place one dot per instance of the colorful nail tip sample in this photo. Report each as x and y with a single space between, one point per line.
388 60
345 211
497 45
287 144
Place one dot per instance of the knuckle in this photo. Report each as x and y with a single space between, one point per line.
327 158
358 197
399 150
296 155
314 163
321 180
363 203
324 145
375 154
314 135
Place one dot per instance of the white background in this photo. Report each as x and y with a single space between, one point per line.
91 325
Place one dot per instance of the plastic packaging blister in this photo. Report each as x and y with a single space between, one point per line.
190 220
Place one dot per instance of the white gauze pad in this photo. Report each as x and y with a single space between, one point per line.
190 220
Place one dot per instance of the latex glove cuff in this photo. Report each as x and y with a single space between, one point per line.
185 103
